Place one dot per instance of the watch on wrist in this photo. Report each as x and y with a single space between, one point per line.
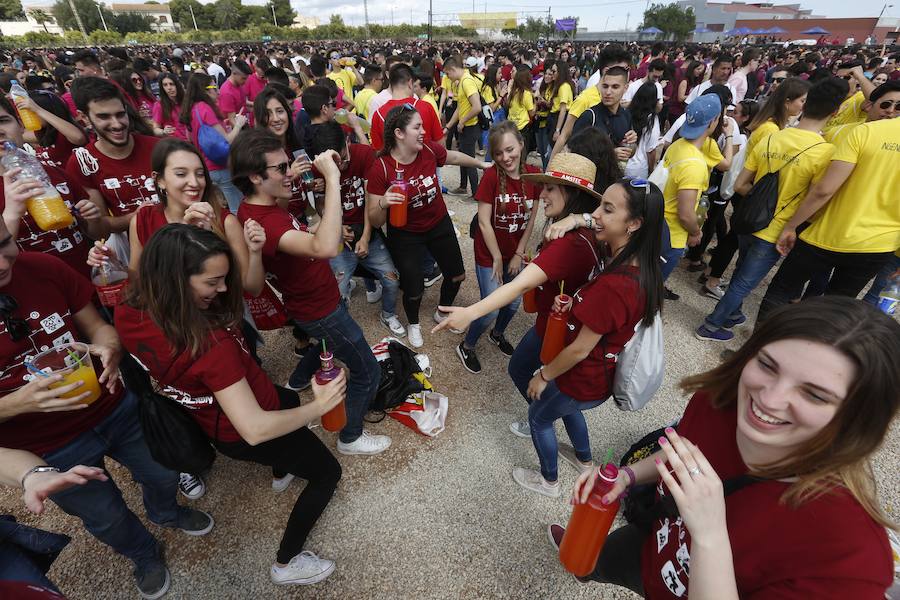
38 469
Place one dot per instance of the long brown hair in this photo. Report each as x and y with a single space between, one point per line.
521 85
774 108
838 456
163 290
495 139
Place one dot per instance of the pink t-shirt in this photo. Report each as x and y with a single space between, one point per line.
172 119
231 98
208 116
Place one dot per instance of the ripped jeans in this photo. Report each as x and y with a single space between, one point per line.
379 263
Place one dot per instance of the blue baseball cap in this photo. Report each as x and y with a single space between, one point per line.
699 114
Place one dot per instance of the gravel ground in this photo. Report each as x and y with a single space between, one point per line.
430 518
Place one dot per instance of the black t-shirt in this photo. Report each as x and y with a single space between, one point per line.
615 125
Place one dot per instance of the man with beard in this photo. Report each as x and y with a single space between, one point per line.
115 168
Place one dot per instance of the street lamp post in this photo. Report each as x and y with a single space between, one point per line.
78 20
102 19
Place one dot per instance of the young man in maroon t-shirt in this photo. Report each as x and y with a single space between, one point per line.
401 81
114 169
44 303
298 260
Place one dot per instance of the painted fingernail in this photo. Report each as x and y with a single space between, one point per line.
663 441
657 461
669 430
604 500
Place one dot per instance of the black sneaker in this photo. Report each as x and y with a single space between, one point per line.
468 358
194 522
670 295
153 580
694 267
433 277
501 342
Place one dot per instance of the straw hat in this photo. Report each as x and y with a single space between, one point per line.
568 168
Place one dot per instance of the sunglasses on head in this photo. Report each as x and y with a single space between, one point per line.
886 104
280 167
212 87
17 327
408 106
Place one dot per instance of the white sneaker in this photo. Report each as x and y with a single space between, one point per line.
415 336
191 486
440 317
533 481
366 444
521 429
304 569
394 324
567 453
352 287
373 297
279 484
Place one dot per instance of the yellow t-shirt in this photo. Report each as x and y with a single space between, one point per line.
837 134
851 111
563 96
864 214
466 86
712 154
795 178
362 101
518 109
688 170
588 98
430 100
485 90
448 85
760 133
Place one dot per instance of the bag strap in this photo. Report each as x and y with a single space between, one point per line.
666 507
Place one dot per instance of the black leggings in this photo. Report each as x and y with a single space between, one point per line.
300 453
406 250
620 560
714 225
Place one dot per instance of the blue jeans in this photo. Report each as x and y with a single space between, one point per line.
233 196
670 261
346 341
543 143
99 504
525 360
881 280
487 285
379 263
26 553
552 405
755 259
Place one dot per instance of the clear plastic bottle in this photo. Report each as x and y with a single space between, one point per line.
343 117
889 297
47 209
110 279
30 120
702 209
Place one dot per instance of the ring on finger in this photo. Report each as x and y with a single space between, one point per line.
694 471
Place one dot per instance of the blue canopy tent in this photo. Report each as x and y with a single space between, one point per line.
816 31
776 30
759 32
702 30
653 30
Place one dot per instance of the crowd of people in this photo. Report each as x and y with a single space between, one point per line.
215 174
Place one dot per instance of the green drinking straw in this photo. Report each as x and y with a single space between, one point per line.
74 356
609 455
324 347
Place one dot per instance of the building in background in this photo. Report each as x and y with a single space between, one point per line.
45 23
305 22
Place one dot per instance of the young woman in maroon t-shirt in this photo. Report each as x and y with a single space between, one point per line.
794 417
181 321
505 220
407 155
628 227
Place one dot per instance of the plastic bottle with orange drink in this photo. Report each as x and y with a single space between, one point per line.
47 208
558 322
398 213
30 120
336 418
589 525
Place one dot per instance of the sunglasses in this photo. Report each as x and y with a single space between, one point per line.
846 77
778 79
886 104
280 167
17 327
136 80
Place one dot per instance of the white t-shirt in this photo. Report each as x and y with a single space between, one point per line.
637 165
635 85
594 79
698 90
215 71
738 83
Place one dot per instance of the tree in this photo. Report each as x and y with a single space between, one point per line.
181 14
283 12
130 22
87 9
531 29
671 19
41 17
228 15
11 10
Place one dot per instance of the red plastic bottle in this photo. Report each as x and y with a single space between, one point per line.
589 525
555 334
529 301
336 418
398 212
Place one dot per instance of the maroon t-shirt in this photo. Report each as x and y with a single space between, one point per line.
124 184
148 219
353 183
828 548
192 380
611 305
510 213
308 285
571 259
69 244
49 293
426 204
57 153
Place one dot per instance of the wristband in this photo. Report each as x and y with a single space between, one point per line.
541 375
38 469
379 204
630 474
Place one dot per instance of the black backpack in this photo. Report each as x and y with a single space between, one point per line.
397 381
756 210
486 114
174 438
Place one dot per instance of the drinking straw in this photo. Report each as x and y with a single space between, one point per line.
562 285
35 370
324 347
75 357
609 455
